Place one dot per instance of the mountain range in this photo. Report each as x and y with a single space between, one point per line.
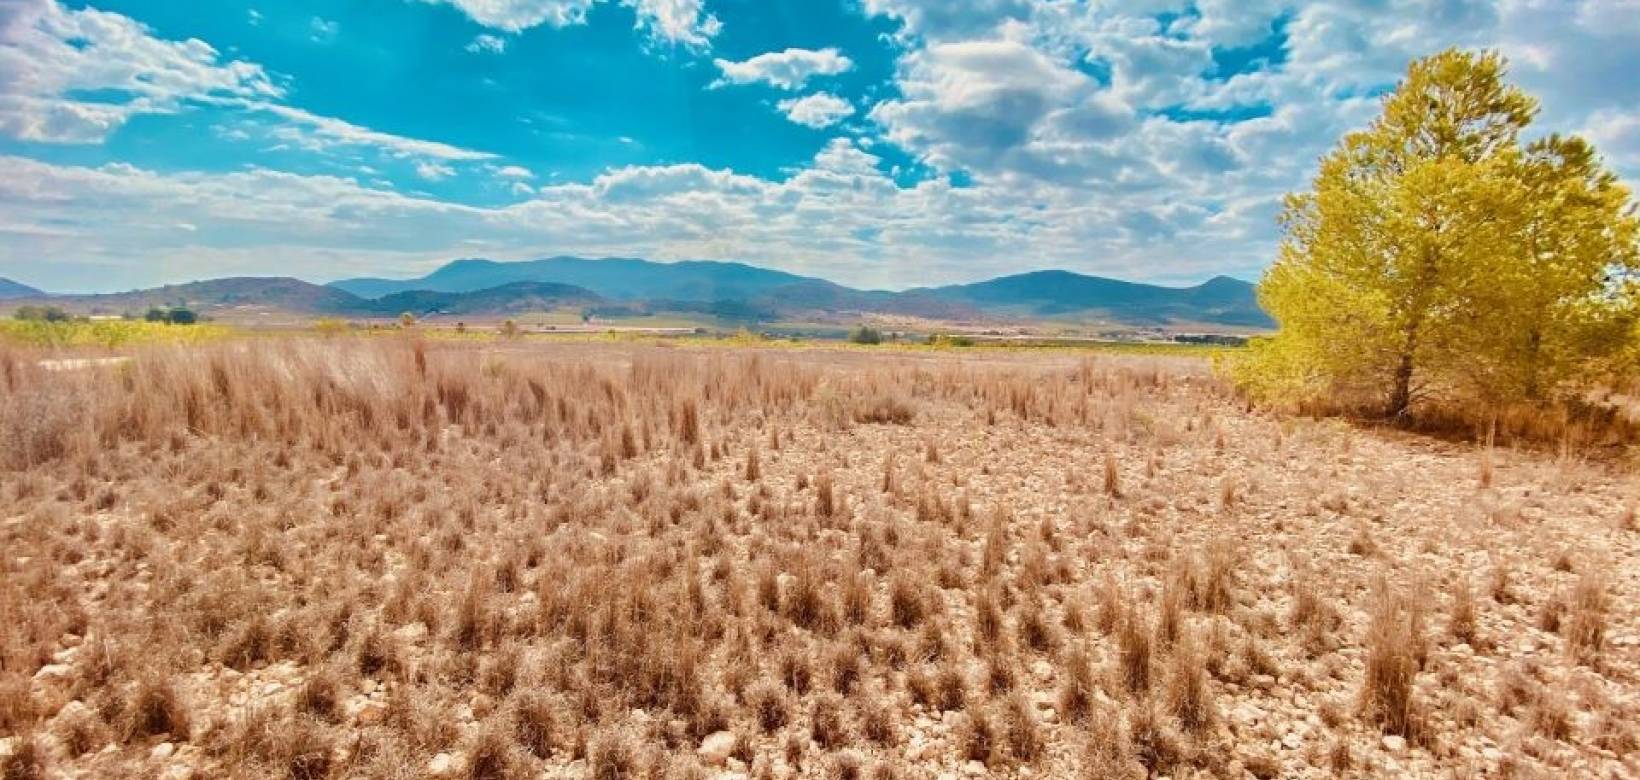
616 287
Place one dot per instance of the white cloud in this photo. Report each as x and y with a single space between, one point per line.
321 30
319 133
514 172
432 171
684 22
487 44
994 105
821 109
789 69
944 19
52 59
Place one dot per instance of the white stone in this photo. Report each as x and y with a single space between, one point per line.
1394 744
716 747
162 751
443 765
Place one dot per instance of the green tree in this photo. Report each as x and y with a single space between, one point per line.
1553 308
41 314
865 334
1436 256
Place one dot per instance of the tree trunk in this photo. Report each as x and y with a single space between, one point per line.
1400 397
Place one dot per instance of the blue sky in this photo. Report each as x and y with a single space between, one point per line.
880 143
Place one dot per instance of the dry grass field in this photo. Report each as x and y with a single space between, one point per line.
383 560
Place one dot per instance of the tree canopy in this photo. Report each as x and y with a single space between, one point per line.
1438 257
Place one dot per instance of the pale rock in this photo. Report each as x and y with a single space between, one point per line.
369 712
1292 740
973 769
178 772
1394 744
54 672
444 765
162 751
716 747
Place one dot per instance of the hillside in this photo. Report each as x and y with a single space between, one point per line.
10 289
514 298
1056 294
622 278
222 297
251 293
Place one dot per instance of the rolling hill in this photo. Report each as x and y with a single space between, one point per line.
514 298
1038 295
614 277
726 292
250 294
1058 294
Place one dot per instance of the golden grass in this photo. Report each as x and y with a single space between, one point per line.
369 557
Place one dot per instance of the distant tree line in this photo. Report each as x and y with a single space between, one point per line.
41 314
173 315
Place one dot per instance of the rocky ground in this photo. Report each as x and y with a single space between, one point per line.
378 560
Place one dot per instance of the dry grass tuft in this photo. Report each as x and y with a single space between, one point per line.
1585 627
1393 648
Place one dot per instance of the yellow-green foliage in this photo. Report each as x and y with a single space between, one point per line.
105 333
331 326
1437 257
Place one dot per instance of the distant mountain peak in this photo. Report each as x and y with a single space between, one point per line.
15 289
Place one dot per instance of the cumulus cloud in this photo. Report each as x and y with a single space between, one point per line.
821 109
993 105
52 60
943 19
684 22
789 69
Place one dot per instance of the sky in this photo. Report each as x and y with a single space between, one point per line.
877 143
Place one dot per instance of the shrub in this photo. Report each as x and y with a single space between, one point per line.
865 334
